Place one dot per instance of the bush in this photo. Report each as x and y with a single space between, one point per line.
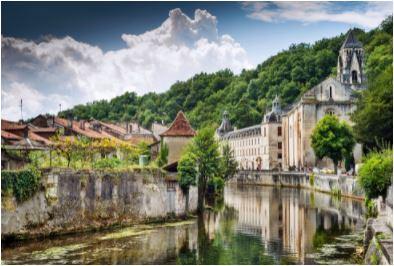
22 184
376 173
371 208
110 163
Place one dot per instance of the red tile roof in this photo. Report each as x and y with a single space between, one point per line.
88 132
10 125
180 127
8 135
43 129
38 138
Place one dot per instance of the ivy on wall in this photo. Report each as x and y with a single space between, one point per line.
22 184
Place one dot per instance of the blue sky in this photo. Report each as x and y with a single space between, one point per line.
75 52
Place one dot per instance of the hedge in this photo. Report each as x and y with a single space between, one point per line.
22 184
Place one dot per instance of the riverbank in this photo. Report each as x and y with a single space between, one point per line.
71 201
378 237
345 186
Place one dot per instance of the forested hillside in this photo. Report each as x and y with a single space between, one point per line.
246 96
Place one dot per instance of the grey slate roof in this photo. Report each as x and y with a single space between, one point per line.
351 41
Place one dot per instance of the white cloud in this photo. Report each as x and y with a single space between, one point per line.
70 72
364 14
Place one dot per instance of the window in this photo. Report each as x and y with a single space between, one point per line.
354 76
330 92
280 155
279 145
279 131
330 112
264 131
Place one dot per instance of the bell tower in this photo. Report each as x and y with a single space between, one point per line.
350 68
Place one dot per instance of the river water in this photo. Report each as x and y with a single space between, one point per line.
253 225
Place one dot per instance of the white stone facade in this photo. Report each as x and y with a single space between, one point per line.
283 139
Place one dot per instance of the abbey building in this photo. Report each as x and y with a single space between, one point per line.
282 140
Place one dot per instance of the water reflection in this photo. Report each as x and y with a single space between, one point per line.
256 225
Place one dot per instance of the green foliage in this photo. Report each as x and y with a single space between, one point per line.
376 173
109 163
374 114
22 184
333 139
371 208
204 96
312 179
217 184
205 151
187 171
162 159
228 164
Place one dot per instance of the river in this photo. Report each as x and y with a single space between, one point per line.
254 225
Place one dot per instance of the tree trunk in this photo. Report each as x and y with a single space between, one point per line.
335 166
187 202
201 198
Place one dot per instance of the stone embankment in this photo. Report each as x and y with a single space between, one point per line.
73 201
378 238
343 185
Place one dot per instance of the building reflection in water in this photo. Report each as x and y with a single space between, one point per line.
287 219
255 225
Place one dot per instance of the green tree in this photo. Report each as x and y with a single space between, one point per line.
333 139
162 159
228 162
205 150
187 175
376 173
373 117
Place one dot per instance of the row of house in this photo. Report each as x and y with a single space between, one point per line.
20 138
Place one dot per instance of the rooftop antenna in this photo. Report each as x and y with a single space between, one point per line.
21 106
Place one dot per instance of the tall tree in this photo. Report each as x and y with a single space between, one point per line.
228 162
187 175
205 150
333 139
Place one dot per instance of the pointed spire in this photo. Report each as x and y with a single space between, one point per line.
351 41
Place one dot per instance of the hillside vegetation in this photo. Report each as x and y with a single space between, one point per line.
246 96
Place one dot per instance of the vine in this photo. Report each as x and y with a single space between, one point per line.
22 184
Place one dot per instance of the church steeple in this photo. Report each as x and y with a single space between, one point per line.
350 69
225 126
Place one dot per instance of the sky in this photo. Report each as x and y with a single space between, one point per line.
72 53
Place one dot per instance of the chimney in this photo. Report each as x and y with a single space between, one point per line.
127 126
162 122
130 128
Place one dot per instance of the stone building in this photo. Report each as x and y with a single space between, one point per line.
282 140
334 95
257 147
177 136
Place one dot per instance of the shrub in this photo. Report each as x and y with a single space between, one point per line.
371 208
376 172
110 163
312 179
22 184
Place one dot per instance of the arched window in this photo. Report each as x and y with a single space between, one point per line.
354 76
330 112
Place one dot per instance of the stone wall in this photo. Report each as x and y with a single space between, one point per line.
71 201
324 183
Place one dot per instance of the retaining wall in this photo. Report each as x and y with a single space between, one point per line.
347 185
71 201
